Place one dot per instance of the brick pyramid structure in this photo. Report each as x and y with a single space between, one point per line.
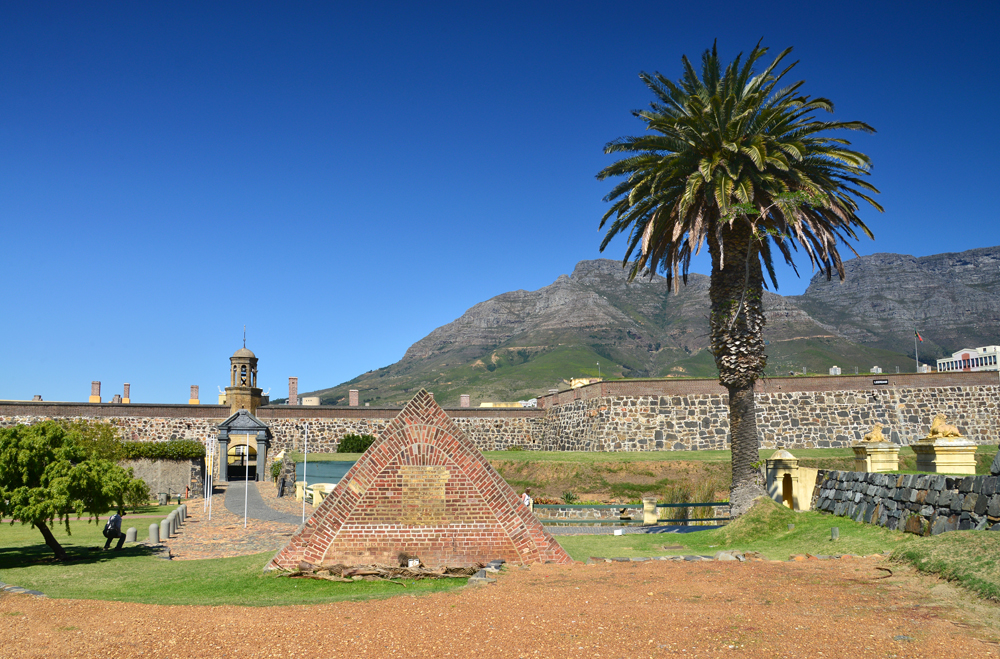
424 489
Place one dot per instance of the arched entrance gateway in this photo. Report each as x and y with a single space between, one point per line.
243 438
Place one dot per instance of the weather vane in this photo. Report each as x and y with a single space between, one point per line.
244 336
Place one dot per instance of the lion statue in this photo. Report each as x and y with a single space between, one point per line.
875 435
941 429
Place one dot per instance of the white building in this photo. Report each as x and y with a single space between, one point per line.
875 369
971 359
834 370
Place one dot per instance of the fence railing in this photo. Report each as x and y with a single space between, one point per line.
632 514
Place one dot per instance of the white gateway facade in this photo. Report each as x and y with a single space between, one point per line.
972 359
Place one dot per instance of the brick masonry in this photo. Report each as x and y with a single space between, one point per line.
422 489
924 504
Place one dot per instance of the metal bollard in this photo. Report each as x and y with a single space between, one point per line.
154 534
131 534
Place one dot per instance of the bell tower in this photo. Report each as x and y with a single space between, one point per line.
242 392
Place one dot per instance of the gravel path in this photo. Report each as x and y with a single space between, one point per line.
608 529
825 609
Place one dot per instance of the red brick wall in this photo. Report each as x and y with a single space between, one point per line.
423 489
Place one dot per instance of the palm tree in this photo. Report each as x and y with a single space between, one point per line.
732 160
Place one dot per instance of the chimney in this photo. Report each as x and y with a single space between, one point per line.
117 399
194 396
95 392
353 398
293 391
464 400
37 398
126 398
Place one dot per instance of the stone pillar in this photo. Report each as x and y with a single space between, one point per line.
945 455
879 457
95 392
353 398
649 516
261 456
126 397
464 400
154 534
193 400
164 530
223 458
293 391
131 534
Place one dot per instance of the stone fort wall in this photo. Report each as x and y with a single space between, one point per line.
638 415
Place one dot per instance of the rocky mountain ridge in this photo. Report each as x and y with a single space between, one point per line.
521 343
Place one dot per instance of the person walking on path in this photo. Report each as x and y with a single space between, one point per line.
113 529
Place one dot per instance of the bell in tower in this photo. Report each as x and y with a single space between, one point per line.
242 392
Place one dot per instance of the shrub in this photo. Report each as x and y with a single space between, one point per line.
569 497
136 494
355 443
275 470
175 449
515 447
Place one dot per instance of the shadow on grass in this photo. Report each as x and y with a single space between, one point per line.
41 554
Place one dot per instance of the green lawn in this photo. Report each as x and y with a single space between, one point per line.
765 530
134 575
590 457
970 558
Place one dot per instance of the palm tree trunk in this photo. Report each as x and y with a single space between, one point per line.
737 325
51 541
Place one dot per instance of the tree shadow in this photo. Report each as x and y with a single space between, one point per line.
41 554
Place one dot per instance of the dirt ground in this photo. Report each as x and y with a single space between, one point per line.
837 608
654 609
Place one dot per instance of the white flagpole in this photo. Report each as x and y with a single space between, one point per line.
305 463
246 483
916 355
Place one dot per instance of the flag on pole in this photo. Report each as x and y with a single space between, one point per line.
917 334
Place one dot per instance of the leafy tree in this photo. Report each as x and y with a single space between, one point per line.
735 161
49 472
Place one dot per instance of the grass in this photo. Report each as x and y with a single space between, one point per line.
969 558
765 530
134 575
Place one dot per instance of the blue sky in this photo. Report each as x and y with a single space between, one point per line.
343 179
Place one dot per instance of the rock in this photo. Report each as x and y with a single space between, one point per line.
729 555
480 579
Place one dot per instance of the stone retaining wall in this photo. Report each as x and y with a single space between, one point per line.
792 419
171 476
641 415
924 504
583 512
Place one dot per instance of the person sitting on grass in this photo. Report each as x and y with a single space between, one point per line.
113 529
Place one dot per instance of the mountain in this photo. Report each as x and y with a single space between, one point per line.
518 345
951 299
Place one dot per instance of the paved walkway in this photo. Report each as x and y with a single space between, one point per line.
236 500
609 529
